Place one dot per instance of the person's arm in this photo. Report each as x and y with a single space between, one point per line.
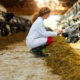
40 28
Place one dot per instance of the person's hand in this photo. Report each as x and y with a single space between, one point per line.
59 32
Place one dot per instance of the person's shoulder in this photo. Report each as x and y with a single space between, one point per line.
39 19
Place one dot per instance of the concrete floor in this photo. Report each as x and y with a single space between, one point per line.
17 63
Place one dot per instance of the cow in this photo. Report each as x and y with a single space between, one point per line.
71 33
5 27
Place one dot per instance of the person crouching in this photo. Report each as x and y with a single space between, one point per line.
38 38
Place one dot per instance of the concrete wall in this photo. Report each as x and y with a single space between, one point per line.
26 16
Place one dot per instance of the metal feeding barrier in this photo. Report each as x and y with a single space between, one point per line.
71 20
10 23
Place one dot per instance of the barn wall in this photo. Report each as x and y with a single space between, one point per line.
26 16
2 8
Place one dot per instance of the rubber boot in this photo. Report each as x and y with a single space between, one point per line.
37 51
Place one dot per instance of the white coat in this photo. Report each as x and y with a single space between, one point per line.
38 35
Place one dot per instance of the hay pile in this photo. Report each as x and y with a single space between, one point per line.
7 40
63 59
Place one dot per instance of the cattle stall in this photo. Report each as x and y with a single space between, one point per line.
70 23
10 23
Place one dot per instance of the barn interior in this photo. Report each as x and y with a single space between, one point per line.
26 8
64 53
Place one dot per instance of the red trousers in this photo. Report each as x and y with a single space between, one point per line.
49 40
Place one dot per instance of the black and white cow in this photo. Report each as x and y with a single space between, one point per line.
71 33
5 27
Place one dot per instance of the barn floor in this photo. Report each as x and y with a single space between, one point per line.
17 63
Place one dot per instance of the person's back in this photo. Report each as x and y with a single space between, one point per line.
33 33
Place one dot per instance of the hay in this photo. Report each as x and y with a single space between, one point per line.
14 38
63 59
